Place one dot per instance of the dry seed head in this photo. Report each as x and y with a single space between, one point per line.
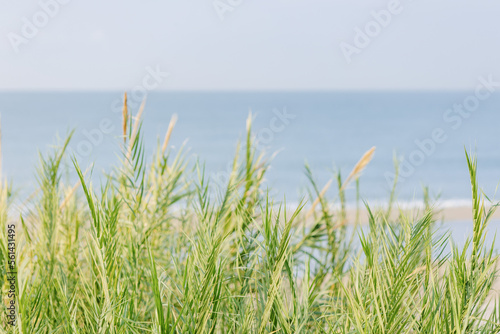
171 125
360 166
357 170
125 117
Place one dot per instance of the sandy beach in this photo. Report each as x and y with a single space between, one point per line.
446 214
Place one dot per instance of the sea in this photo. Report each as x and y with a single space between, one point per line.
427 132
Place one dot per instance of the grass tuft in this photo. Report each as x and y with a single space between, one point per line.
157 248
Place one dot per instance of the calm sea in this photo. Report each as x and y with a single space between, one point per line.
330 131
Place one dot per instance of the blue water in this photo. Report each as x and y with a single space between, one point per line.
328 130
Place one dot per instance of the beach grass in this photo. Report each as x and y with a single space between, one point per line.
156 248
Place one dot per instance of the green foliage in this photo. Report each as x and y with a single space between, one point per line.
156 249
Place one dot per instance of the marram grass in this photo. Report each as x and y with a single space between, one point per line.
154 248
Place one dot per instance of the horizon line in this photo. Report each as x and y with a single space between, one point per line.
376 90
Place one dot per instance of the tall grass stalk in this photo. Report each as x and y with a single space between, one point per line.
155 247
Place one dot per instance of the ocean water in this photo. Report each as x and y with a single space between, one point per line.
329 131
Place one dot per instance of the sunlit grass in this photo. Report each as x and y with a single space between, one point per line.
153 248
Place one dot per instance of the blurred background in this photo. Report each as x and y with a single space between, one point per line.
325 81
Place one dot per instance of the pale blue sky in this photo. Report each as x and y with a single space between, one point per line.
260 45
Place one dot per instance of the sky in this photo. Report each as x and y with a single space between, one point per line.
248 45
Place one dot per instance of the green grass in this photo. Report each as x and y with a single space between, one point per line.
154 249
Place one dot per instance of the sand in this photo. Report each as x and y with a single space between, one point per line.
447 214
